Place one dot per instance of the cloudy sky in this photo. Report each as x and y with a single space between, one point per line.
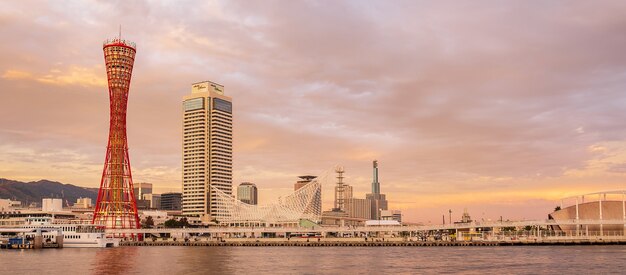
500 107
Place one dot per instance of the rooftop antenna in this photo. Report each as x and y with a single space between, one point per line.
120 37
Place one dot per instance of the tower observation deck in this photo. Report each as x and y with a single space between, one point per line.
116 206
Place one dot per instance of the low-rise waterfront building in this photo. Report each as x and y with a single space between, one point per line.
83 203
395 215
52 205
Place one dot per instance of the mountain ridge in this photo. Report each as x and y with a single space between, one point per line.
34 191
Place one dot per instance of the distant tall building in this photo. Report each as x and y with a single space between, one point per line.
378 201
316 206
154 200
171 201
248 193
207 149
141 189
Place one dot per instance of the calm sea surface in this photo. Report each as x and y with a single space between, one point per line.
312 260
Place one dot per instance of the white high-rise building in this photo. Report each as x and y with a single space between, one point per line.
207 149
248 193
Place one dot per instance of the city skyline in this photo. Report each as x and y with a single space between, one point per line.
461 112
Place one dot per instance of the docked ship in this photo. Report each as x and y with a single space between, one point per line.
74 235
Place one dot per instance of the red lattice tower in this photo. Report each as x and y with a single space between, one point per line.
116 206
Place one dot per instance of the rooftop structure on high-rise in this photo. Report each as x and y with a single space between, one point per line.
207 149
247 193
375 183
116 206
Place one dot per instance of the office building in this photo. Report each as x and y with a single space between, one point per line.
154 201
359 208
207 149
141 189
247 193
171 201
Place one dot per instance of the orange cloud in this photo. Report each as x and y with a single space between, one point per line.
16 74
74 75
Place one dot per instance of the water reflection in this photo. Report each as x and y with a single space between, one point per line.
205 260
114 261
327 260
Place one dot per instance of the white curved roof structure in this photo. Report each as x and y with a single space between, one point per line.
293 208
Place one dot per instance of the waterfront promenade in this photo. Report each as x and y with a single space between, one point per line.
374 242
537 232
408 229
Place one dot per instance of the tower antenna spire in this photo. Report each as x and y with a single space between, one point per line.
120 37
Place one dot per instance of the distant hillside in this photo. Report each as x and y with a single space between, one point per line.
28 192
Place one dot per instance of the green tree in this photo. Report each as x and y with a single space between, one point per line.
148 222
183 222
171 223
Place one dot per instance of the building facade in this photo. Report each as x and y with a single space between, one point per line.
359 208
141 189
598 206
83 203
153 200
207 149
51 205
171 201
395 215
247 193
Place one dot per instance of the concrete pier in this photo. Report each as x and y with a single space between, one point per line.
361 243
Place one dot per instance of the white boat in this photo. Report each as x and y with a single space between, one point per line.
74 235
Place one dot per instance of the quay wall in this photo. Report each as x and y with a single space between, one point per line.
320 243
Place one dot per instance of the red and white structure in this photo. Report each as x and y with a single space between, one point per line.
116 207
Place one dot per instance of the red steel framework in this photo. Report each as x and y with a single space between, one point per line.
116 206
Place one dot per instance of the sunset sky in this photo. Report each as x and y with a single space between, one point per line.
500 107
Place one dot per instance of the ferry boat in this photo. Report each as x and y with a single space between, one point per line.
74 235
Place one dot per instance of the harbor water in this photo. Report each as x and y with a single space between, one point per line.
316 260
